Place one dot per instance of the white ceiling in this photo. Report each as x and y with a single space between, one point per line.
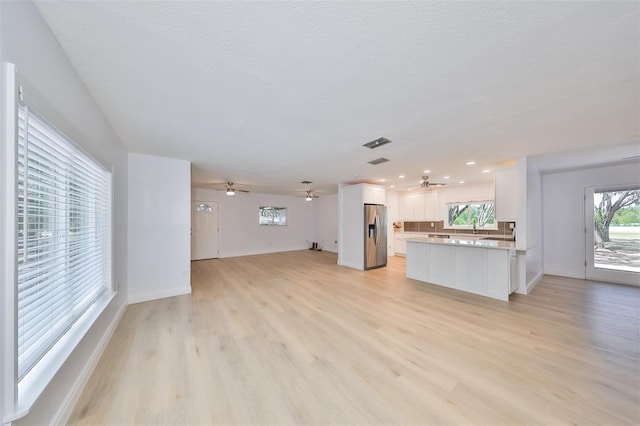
268 94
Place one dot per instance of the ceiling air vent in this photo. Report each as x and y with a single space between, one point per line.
306 182
378 161
377 143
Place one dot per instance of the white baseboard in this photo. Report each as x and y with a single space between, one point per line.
154 295
64 412
532 283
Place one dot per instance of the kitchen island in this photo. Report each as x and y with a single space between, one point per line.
477 266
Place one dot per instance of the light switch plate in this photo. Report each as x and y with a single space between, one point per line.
512 225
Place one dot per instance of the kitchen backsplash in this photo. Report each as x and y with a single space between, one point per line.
438 226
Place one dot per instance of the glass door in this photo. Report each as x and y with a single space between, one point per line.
613 234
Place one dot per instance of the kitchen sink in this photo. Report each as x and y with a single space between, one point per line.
498 238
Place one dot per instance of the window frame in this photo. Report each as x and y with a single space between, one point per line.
469 224
18 396
263 219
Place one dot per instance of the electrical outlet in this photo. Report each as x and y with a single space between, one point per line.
512 225
433 225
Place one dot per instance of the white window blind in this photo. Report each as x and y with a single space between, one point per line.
64 235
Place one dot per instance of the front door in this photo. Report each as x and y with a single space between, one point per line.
204 230
613 234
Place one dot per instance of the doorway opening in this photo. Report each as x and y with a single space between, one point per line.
613 234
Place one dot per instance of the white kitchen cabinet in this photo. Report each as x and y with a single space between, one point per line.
420 258
400 245
405 208
444 260
480 269
431 206
418 207
374 194
471 269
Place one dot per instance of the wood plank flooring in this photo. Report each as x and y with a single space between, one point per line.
292 338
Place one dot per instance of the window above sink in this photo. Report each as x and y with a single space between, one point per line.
472 215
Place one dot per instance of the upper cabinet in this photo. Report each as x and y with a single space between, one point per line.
418 206
374 194
431 206
506 181
405 207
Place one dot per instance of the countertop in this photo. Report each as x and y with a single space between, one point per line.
466 242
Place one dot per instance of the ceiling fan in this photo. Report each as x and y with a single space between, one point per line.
425 184
228 187
309 196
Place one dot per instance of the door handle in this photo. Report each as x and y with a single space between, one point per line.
375 222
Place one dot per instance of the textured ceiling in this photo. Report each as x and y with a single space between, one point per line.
268 94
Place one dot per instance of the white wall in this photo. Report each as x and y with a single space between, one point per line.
351 226
563 211
159 227
240 234
392 216
56 91
533 225
506 188
326 222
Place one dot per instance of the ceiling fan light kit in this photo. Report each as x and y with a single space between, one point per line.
425 184
310 196
230 190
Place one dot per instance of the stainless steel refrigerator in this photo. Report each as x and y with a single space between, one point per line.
375 236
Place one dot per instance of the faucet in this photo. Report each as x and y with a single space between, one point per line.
475 231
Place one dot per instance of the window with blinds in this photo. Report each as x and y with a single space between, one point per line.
64 235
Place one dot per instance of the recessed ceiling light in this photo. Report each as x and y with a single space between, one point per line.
410 189
470 163
486 171
381 180
401 176
427 171
392 186
461 181
446 177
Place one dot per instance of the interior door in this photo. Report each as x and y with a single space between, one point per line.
611 249
204 230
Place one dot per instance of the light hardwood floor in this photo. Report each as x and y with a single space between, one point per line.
292 338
